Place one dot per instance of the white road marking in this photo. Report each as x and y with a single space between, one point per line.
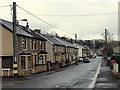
95 77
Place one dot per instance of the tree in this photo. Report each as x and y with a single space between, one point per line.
98 44
107 35
108 50
89 44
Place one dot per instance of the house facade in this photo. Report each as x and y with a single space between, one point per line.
55 49
116 50
71 52
81 51
31 53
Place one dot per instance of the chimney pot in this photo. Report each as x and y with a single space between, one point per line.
27 27
38 31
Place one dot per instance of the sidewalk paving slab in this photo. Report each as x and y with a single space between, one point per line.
106 79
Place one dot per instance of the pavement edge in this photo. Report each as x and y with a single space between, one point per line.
92 84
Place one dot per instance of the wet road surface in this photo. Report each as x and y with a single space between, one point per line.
75 76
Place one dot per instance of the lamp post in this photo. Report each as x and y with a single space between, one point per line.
85 49
76 60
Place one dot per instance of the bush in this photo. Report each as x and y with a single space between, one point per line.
113 58
117 58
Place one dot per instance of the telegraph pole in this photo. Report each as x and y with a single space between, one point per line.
14 40
76 60
106 35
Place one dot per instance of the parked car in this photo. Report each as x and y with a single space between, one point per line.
86 60
94 56
80 59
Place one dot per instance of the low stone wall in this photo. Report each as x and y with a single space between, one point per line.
53 66
62 64
39 69
24 72
7 73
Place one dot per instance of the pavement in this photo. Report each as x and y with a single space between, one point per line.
32 76
106 79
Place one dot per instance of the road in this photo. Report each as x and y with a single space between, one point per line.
80 76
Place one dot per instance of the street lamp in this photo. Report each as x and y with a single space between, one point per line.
85 49
76 60
25 20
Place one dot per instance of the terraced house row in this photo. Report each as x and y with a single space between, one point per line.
35 52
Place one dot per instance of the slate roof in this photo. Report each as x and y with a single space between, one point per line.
19 30
79 46
25 53
66 43
34 34
42 52
53 40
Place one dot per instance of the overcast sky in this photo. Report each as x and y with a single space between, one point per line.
86 18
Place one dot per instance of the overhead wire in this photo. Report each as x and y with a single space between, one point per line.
69 15
34 15
43 20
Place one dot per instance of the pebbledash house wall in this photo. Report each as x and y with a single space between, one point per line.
49 49
6 50
7 42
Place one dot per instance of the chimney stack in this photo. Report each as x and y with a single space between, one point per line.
27 26
38 31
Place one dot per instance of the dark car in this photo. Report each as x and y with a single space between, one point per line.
86 60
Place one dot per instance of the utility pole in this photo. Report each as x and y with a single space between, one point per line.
14 41
106 35
76 60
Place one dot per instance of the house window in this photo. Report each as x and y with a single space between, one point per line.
40 44
68 57
62 57
31 43
24 43
55 58
41 59
29 62
7 62
55 49
35 44
23 62
44 61
35 59
43 45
